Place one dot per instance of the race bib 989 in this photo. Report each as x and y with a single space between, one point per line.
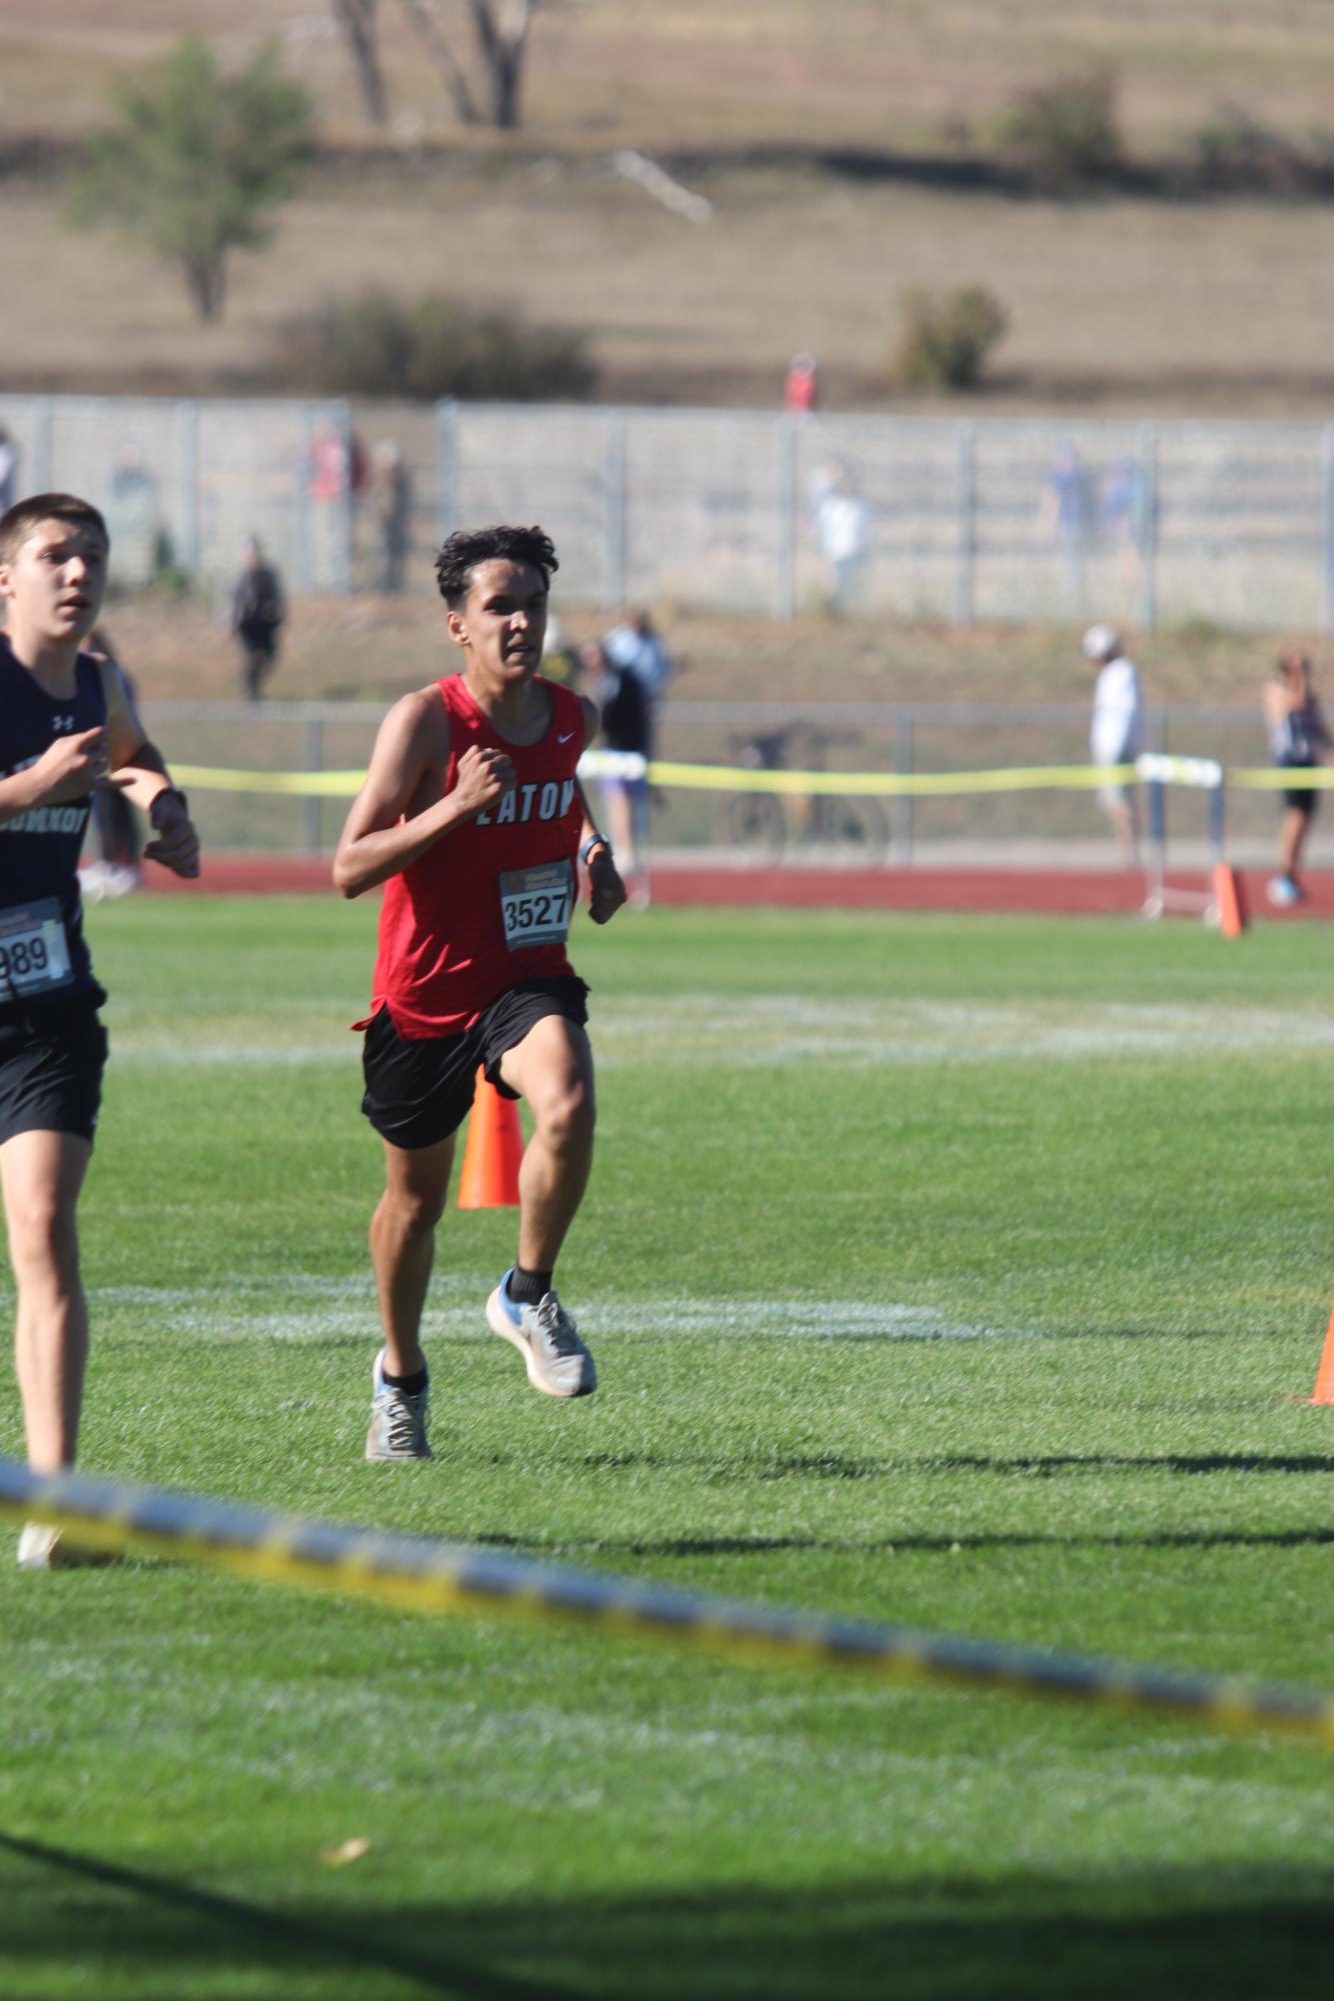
34 954
536 904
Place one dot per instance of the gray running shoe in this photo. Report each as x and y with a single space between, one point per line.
44 1547
398 1421
554 1356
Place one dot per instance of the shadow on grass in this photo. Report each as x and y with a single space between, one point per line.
1048 1466
758 1545
1227 1934
150 1919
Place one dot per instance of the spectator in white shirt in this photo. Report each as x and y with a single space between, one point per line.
1116 734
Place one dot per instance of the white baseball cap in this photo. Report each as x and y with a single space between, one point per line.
1100 642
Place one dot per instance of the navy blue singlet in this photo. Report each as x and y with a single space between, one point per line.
39 850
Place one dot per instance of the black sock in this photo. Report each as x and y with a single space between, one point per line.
410 1385
526 1288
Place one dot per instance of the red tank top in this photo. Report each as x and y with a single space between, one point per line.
483 909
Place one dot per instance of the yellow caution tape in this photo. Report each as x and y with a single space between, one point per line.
419 1574
305 784
703 777
805 784
1276 778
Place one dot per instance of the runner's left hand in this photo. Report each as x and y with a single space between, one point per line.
176 843
606 891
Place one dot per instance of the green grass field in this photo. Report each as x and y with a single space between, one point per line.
958 1272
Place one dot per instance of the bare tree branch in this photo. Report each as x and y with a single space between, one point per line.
421 13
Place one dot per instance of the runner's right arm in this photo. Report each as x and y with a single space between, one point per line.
401 810
69 768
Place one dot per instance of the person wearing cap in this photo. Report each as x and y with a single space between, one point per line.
1116 733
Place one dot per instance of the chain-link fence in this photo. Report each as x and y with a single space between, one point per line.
917 517
925 518
184 483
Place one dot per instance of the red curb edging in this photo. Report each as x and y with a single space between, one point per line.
1060 892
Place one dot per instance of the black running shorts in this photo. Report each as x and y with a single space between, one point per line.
418 1092
51 1063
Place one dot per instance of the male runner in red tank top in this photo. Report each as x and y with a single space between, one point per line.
472 817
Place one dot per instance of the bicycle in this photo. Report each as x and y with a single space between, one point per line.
763 825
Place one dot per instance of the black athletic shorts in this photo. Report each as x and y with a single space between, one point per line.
418 1092
51 1062
1305 799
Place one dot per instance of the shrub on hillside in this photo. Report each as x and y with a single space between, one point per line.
1065 133
947 339
376 345
1236 154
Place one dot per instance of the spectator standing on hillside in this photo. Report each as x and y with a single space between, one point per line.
1125 515
842 522
259 609
1067 515
67 728
799 390
134 518
638 647
626 728
1298 740
637 644
337 478
9 471
391 511
1116 733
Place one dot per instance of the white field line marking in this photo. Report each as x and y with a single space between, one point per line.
753 1031
345 1308
131 1055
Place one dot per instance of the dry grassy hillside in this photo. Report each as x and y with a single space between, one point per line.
1122 304
376 648
689 74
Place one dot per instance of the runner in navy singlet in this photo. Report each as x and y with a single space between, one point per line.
473 818
67 729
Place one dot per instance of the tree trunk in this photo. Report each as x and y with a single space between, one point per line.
206 282
503 53
356 18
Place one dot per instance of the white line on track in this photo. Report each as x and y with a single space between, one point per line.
337 1309
775 1030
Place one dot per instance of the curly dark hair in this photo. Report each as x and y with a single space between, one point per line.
467 547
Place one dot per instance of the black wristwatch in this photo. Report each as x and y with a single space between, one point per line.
593 841
168 792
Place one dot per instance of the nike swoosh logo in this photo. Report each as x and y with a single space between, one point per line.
566 738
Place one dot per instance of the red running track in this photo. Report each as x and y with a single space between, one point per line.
1065 892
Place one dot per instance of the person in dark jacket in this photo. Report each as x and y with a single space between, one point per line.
258 611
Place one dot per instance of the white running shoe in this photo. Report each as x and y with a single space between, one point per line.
42 1546
398 1421
555 1358
1282 892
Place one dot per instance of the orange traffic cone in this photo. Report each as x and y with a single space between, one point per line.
494 1148
1324 1375
1230 896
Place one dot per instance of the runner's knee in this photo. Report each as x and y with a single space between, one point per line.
43 1235
415 1210
565 1113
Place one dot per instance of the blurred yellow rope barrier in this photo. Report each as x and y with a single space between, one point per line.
417 1574
724 778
